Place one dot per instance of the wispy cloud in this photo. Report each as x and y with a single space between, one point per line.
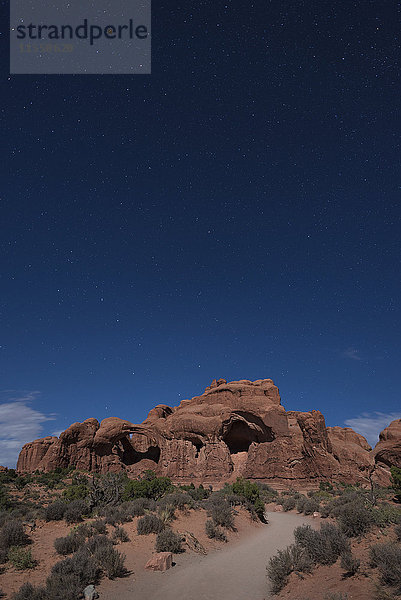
352 353
371 424
19 423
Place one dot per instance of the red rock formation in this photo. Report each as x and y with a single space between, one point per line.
388 450
236 428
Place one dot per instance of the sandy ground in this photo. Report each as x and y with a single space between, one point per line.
236 571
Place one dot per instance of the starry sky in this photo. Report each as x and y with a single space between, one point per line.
234 214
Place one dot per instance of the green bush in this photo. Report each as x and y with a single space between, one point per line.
385 514
21 558
198 494
149 486
397 531
214 532
149 524
5 501
387 558
168 541
246 488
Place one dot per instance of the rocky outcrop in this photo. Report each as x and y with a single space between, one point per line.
236 428
387 451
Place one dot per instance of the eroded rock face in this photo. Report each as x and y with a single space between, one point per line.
236 428
387 451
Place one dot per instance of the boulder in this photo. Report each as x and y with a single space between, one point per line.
90 593
160 562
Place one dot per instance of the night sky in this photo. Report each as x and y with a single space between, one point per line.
234 214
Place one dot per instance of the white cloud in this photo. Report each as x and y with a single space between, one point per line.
19 423
352 353
371 424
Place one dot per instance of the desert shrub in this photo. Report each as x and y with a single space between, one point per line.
120 535
198 494
246 488
354 519
5 501
168 541
114 515
311 506
63 586
280 566
149 486
21 558
175 500
77 491
397 531
12 534
110 561
149 524
69 544
289 503
139 506
166 515
76 510
266 492
98 541
307 505
385 514
81 565
28 592
107 489
349 563
335 596
221 513
301 503
387 558
324 546
56 511
214 532
99 526
396 481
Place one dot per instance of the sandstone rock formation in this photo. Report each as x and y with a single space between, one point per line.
387 451
160 562
236 428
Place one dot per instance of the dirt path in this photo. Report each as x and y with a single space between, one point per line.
236 572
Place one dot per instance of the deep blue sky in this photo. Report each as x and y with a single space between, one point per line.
235 214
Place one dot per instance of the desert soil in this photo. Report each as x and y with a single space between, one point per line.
236 571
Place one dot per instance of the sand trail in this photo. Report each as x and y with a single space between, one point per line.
236 572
